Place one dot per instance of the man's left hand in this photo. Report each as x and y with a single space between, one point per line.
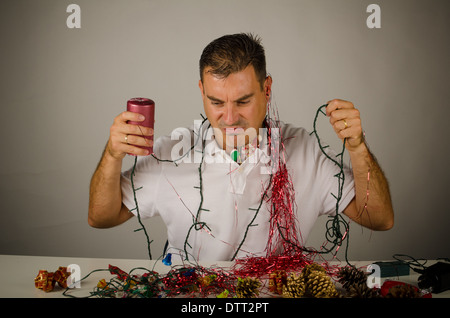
346 122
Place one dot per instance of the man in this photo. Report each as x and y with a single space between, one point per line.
217 209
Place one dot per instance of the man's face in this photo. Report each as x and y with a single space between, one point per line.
235 106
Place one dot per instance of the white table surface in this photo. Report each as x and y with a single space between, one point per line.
18 273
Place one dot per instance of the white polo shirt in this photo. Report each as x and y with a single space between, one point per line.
231 193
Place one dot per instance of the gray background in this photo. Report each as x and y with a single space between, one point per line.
61 88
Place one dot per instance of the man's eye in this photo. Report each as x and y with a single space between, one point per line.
243 102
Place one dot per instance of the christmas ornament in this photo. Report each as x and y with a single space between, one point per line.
61 276
47 280
223 294
276 281
44 280
167 260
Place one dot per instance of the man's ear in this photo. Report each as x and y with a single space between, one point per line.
200 85
268 87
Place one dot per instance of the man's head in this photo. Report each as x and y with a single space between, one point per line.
234 87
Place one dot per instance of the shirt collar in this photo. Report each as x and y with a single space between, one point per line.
214 153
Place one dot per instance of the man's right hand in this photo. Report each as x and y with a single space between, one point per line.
125 138
105 195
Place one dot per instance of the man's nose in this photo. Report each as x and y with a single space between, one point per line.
231 115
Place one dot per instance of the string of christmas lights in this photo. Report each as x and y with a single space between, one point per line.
198 281
293 273
280 195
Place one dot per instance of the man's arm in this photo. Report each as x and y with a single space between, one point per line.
372 205
105 196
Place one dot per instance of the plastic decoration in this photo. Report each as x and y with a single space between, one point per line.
167 260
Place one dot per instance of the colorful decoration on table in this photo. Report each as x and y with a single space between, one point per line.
205 281
44 280
397 289
223 294
47 280
167 260
314 281
263 266
61 276
197 281
276 281
102 284
181 281
127 285
248 287
403 291
114 270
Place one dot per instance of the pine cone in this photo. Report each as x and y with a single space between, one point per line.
320 285
247 287
403 291
361 290
308 269
295 286
349 276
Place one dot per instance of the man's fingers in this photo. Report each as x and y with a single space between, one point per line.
343 124
131 116
346 121
121 124
351 132
137 130
337 104
121 145
344 114
137 151
128 138
138 140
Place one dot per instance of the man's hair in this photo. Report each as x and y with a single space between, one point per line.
233 53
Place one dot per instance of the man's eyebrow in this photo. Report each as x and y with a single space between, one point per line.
214 99
240 99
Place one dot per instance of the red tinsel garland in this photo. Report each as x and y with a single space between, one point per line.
263 266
